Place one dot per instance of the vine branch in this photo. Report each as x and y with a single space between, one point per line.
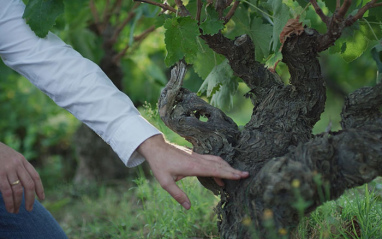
199 10
361 12
231 12
182 10
164 6
319 11
338 5
240 53
344 8
337 22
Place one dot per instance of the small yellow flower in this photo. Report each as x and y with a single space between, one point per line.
296 183
246 221
283 231
268 214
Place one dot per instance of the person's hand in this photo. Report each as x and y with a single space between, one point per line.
171 163
18 175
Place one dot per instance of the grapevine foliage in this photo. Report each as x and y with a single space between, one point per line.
41 15
219 86
212 23
181 39
263 21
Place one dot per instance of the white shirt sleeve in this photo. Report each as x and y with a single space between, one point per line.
73 82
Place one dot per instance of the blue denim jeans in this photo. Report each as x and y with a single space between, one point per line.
37 224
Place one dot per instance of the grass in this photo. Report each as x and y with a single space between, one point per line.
135 209
356 214
142 209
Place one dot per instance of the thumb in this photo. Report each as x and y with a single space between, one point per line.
177 194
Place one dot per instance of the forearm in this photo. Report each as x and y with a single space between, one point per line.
73 82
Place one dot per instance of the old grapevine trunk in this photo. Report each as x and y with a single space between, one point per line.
286 162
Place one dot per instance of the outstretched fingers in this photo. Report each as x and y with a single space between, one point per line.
175 192
213 166
170 163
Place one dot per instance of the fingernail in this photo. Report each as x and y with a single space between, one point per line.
245 174
186 205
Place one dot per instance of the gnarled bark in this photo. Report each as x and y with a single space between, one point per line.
286 162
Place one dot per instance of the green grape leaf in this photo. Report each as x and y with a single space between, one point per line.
343 48
295 8
376 52
331 5
355 46
241 23
181 39
347 41
220 85
192 7
261 35
223 98
212 24
206 60
219 75
339 47
273 60
161 19
41 15
280 15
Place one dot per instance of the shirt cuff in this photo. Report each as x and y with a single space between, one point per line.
127 138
